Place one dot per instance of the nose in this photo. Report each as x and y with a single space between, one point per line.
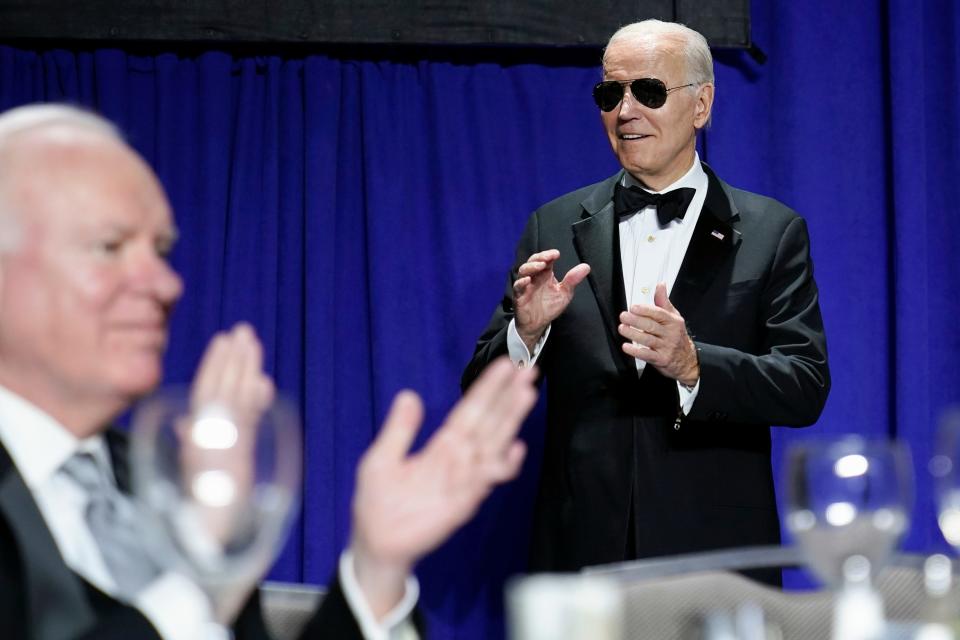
154 276
629 106
169 285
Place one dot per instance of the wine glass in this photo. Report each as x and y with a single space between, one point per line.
848 504
945 467
564 607
221 486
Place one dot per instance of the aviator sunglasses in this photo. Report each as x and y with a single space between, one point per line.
649 92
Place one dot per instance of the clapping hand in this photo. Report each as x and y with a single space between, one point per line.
408 504
658 336
231 376
228 397
539 298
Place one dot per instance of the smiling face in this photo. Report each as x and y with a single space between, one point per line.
656 146
86 295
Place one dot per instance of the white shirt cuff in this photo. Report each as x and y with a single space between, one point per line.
519 354
179 610
688 396
396 625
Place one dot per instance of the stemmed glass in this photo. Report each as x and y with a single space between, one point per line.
945 467
222 487
564 607
845 498
848 504
942 597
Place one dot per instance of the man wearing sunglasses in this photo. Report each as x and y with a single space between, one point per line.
698 328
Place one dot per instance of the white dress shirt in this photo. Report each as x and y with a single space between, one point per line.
176 607
650 253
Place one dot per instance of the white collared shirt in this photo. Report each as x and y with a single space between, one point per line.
39 446
649 254
173 603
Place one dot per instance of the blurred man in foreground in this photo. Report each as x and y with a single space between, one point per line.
85 297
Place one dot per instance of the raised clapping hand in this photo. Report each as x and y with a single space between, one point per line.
538 297
407 505
658 336
230 383
231 375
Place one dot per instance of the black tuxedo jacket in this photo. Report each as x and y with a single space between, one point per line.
623 475
42 599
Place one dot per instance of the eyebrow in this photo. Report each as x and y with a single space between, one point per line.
171 234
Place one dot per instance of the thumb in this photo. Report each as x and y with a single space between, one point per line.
576 275
399 428
661 299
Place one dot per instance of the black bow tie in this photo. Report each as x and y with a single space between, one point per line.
670 205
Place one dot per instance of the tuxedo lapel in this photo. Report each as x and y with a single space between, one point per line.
714 238
595 238
57 605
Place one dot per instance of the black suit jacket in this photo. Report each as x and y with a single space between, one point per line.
42 599
615 444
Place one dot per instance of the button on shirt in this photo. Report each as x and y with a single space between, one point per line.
649 254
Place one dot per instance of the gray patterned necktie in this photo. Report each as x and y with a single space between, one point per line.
113 521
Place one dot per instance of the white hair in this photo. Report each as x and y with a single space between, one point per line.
35 118
689 43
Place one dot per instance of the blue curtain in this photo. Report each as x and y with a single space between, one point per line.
361 213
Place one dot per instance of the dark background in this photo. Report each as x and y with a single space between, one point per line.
462 22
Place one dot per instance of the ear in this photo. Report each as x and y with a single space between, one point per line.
703 105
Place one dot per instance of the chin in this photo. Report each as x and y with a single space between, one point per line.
138 381
635 165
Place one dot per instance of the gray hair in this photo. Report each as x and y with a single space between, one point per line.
691 45
36 118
